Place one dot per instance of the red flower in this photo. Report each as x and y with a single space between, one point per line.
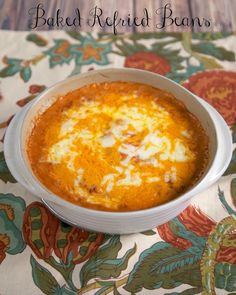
44 233
167 235
218 88
4 242
148 61
39 227
36 88
227 254
196 221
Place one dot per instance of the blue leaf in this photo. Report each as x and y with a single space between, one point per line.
9 71
105 264
14 61
76 70
180 230
64 291
103 289
25 74
225 204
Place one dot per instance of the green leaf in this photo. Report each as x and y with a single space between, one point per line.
163 265
75 35
125 48
208 62
210 35
105 264
5 174
211 49
225 203
149 232
25 74
108 250
65 270
190 291
65 291
102 290
159 49
115 291
11 219
232 165
139 46
43 279
37 39
106 283
233 128
186 41
154 35
233 191
225 276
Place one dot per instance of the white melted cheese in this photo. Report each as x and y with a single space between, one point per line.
107 140
60 150
179 154
130 179
154 149
153 179
171 175
67 127
108 180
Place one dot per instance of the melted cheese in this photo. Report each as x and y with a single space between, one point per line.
117 146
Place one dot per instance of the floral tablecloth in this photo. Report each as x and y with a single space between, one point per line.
193 253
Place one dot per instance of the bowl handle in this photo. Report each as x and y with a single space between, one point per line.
12 151
225 146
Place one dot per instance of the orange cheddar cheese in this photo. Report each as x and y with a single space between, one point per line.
117 146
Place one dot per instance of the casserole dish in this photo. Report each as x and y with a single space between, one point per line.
220 151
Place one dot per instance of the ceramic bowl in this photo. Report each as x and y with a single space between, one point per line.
220 151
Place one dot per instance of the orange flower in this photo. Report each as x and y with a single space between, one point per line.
218 87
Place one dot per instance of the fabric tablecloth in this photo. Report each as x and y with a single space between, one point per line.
193 253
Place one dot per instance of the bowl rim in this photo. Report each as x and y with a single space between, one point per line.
101 213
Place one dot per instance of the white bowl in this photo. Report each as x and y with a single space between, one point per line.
220 151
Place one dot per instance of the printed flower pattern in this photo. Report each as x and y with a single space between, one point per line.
200 224
4 244
91 52
45 234
14 66
218 88
88 51
59 53
148 61
33 90
11 212
192 252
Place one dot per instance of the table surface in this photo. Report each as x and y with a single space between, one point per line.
222 13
